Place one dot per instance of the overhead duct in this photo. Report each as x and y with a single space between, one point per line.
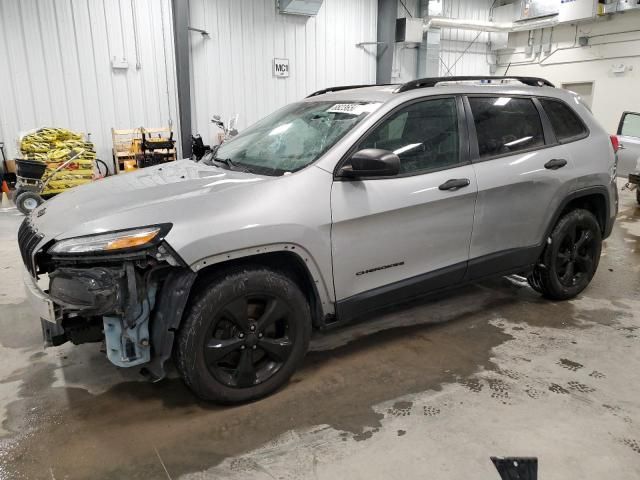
535 15
308 8
488 26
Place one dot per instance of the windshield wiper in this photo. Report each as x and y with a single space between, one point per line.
231 165
226 161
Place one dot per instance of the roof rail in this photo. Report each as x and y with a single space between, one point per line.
433 81
346 87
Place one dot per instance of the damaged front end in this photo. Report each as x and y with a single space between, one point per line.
127 289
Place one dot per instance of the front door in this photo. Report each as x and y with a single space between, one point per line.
394 238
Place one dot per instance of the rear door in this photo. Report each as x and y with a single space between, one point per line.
523 175
395 237
629 137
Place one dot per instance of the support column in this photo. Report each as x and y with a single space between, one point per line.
181 40
387 14
429 51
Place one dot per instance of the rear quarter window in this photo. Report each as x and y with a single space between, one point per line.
565 122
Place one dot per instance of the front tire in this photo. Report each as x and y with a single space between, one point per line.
245 334
571 258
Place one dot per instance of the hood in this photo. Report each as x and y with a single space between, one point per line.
144 197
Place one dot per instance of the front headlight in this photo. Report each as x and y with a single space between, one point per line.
111 242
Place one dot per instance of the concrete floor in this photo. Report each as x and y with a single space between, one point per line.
431 391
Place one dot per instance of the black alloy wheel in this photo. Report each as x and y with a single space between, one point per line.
249 340
576 255
570 258
245 332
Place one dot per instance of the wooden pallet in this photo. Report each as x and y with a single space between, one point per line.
127 142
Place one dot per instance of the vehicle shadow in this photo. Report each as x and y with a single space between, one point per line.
446 311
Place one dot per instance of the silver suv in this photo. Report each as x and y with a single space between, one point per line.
350 200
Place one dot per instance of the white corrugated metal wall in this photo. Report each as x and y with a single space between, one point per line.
55 67
231 72
464 52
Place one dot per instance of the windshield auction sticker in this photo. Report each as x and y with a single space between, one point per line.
353 108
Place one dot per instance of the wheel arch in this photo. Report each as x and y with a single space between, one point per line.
183 283
594 199
290 259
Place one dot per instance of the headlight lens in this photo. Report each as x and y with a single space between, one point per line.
109 242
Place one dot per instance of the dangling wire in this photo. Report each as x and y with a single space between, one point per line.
406 9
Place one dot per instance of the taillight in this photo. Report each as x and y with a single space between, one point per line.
615 143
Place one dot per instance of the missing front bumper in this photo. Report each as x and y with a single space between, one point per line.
39 300
52 333
136 312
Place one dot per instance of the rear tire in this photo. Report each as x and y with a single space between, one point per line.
571 258
28 201
638 194
246 332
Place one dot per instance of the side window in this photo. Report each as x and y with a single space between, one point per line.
505 125
424 135
631 125
564 121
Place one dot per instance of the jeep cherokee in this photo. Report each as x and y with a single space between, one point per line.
350 200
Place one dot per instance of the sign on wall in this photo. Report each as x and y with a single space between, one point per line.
280 67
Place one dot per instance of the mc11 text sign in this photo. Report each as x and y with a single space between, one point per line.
280 67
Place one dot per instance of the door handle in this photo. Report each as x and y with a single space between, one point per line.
454 184
555 164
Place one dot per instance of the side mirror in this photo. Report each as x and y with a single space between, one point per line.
371 162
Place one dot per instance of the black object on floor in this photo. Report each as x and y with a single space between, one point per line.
516 468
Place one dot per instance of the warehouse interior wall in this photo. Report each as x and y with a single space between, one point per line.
231 69
461 52
611 60
56 68
465 52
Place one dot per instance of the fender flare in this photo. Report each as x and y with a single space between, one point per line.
323 292
173 297
575 195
